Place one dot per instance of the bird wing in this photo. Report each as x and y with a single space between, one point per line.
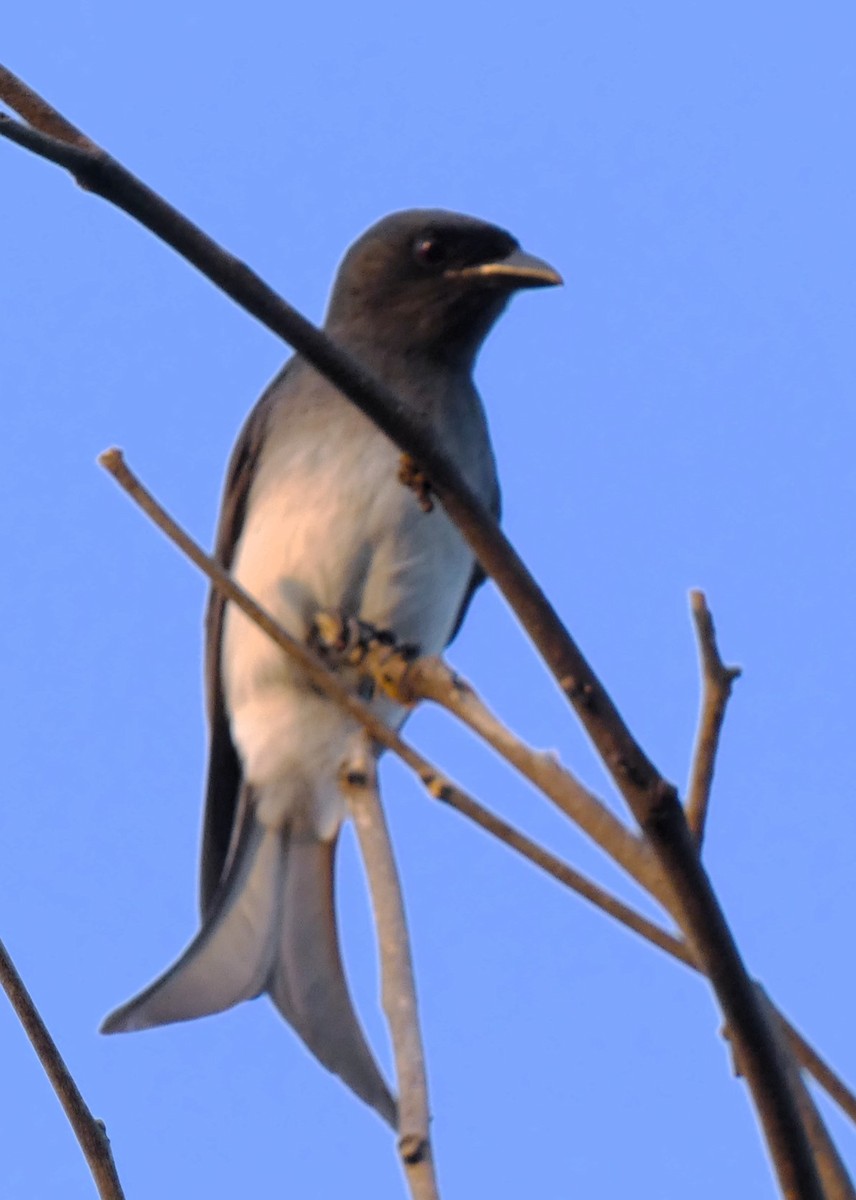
224 766
478 576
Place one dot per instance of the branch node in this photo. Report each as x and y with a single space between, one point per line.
413 1148
579 692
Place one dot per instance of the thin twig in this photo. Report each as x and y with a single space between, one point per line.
822 1072
653 801
37 112
717 680
603 900
431 678
398 989
90 1132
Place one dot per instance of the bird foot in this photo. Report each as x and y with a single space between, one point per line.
413 477
344 641
341 640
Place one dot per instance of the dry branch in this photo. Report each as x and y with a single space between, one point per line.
430 678
836 1182
652 800
717 680
359 779
90 1132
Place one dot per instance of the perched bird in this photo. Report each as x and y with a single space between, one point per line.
314 518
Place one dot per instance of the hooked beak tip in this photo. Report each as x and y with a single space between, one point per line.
516 270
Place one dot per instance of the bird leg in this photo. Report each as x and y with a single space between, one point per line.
413 477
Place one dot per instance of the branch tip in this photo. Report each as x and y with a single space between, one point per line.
111 460
716 682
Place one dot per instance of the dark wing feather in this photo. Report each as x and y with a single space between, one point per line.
478 576
224 766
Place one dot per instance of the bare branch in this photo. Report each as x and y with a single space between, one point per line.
562 872
359 783
804 1052
37 112
717 680
431 678
809 1058
90 1133
836 1182
652 800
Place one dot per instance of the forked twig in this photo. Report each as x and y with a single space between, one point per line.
398 990
90 1132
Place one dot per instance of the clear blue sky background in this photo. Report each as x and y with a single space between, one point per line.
681 414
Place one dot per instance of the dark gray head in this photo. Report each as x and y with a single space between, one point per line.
430 282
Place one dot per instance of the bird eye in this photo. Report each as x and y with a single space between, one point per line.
429 250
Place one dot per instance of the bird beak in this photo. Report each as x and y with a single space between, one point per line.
518 270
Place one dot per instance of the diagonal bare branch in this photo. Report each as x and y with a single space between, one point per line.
822 1072
393 668
430 678
90 1133
717 680
833 1173
38 113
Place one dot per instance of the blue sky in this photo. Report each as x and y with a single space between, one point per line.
681 414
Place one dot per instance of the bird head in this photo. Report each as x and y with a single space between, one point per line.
430 282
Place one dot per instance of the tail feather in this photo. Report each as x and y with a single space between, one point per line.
230 959
271 926
308 983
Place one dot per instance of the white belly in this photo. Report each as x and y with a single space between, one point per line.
337 533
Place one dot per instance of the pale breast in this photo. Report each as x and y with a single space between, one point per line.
330 526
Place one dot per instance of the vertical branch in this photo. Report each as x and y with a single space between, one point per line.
90 1133
716 681
359 781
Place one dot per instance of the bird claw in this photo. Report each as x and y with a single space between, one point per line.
344 641
413 477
